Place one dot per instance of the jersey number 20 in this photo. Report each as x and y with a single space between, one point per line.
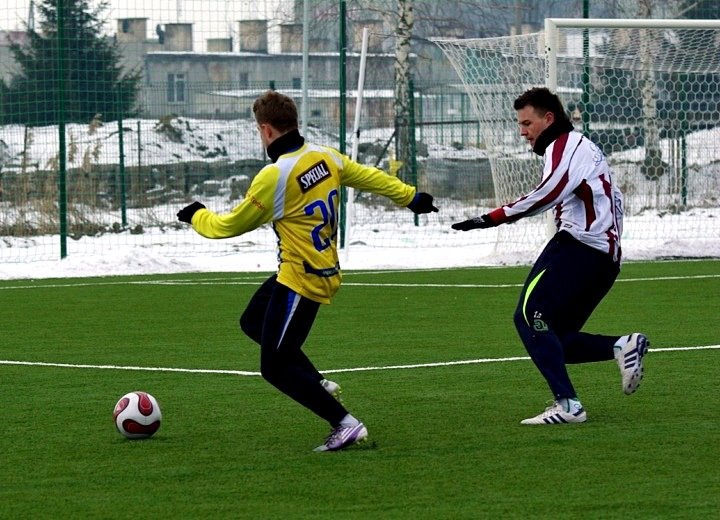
328 213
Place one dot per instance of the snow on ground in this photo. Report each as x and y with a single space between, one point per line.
184 251
381 243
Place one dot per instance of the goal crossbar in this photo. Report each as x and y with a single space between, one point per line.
631 23
552 25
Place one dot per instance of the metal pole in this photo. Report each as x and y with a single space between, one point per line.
358 101
684 130
550 54
342 100
356 138
411 139
62 159
139 147
343 79
586 72
551 44
305 110
121 149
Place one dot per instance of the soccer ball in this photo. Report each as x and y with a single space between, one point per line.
137 415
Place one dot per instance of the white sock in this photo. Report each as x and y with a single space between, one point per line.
349 421
569 403
619 344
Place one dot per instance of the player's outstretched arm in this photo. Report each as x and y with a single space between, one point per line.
481 222
186 214
422 203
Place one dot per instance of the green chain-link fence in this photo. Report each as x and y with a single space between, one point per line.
113 119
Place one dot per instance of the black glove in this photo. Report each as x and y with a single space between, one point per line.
422 203
186 214
481 222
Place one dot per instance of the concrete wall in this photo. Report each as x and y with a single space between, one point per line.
219 45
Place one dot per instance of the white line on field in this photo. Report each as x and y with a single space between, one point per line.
257 281
331 371
230 281
121 367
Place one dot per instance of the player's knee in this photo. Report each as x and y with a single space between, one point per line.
521 323
530 320
519 319
269 369
251 328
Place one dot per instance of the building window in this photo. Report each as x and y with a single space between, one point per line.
316 113
176 88
243 80
297 83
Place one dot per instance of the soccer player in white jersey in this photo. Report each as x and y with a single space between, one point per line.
299 193
580 263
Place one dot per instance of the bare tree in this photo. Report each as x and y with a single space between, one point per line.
653 165
402 82
648 49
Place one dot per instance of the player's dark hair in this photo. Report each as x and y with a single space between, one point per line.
543 101
277 110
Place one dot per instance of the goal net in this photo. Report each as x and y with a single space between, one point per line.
646 91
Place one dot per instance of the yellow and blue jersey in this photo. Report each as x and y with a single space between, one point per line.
300 195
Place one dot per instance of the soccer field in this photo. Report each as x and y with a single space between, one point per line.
429 360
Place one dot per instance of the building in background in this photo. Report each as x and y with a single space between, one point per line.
222 82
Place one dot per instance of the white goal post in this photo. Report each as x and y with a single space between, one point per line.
646 91
553 25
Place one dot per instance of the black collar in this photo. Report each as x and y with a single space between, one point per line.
286 143
551 133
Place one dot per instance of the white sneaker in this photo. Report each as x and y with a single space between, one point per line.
556 414
332 388
630 361
343 436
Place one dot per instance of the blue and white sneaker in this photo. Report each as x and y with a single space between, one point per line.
556 414
630 360
344 436
332 388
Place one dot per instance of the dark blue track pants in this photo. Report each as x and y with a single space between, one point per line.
567 282
279 320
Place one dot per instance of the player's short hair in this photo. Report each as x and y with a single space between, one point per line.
543 101
277 110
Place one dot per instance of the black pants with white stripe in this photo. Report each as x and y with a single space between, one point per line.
566 284
279 320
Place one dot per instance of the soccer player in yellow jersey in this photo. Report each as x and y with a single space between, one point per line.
300 194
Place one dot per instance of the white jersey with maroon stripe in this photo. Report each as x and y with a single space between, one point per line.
578 183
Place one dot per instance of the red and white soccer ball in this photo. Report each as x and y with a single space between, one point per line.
137 415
